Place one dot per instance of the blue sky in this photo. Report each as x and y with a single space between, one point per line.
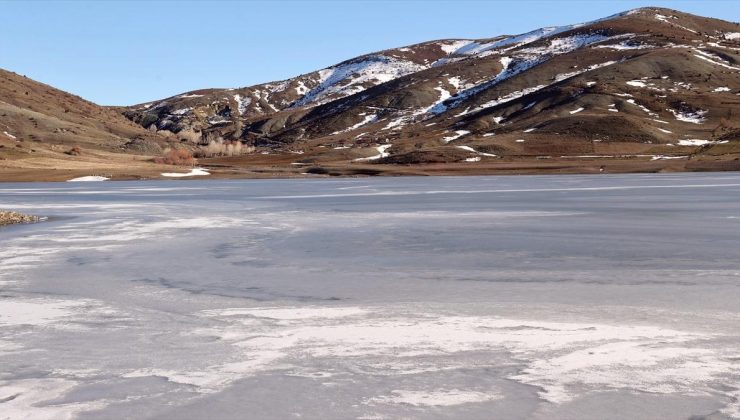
127 52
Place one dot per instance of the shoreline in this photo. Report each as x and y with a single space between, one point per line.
331 170
358 176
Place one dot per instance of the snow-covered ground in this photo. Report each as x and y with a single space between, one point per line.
89 178
381 153
456 297
457 135
351 77
242 103
693 142
470 149
694 117
193 172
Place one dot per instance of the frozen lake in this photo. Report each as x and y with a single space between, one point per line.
531 297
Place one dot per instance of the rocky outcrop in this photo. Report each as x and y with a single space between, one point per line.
12 218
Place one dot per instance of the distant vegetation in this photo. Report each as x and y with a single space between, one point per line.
176 157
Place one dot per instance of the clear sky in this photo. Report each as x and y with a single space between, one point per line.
127 52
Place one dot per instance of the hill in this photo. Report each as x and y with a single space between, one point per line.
648 85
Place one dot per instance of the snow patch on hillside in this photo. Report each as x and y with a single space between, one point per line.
523 61
242 103
516 41
397 123
626 45
694 142
470 149
451 46
182 111
669 20
367 120
456 82
694 117
457 135
642 107
518 94
381 153
510 68
218 119
565 45
714 59
662 157
349 78
636 83
301 89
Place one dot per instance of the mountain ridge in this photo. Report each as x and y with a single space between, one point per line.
321 101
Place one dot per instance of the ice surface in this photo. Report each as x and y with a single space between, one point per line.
437 397
458 297
34 312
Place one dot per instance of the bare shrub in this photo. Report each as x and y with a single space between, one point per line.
75 151
176 157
